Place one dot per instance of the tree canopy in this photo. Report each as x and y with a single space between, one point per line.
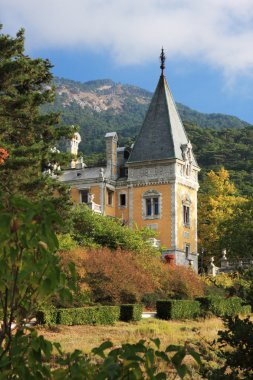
28 135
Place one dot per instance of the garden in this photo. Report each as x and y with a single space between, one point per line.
85 279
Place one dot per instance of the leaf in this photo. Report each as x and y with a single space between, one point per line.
172 348
178 357
100 350
156 341
182 371
195 355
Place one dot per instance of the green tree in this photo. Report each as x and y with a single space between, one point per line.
28 135
218 203
239 232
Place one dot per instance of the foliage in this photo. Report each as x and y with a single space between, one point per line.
132 312
108 232
111 276
235 350
177 309
142 360
47 315
184 283
26 134
66 242
29 266
238 235
29 273
234 284
3 155
223 307
217 205
88 315
149 300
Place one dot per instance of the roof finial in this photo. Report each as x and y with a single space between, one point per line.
162 58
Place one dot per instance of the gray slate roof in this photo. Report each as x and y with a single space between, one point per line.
162 132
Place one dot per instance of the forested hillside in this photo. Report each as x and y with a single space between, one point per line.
101 106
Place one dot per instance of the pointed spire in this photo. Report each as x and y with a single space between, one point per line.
162 135
162 59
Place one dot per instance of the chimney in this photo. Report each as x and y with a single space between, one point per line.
111 154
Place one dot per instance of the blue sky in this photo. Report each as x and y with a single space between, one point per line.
208 44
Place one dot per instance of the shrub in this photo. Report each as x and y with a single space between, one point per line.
149 299
101 315
112 276
246 310
108 232
130 312
222 307
177 309
47 316
184 283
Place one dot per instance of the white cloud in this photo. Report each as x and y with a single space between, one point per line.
218 32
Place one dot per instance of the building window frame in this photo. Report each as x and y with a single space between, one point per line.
121 196
84 193
186 212
187 250
110 197
151 205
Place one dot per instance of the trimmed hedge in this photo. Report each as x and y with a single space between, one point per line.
100 315
47 316
177 309
224 307
131 312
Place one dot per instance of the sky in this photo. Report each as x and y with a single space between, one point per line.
208 45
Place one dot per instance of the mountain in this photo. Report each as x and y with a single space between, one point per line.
102 106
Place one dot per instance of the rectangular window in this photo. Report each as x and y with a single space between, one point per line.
122 200
149 206
186 215
156 206
152 206
110 197
187 250
84 196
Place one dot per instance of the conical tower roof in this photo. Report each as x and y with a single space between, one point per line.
162 134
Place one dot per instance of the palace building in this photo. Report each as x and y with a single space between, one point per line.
154 184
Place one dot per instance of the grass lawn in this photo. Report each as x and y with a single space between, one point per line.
170 332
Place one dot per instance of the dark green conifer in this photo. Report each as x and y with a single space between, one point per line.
28 134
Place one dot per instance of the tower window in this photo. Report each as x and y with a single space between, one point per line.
152 206
186 215
122 200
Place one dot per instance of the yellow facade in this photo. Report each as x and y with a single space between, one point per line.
163 223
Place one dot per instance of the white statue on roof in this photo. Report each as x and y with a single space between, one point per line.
72 145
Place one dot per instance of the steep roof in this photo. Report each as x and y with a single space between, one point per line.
162 132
